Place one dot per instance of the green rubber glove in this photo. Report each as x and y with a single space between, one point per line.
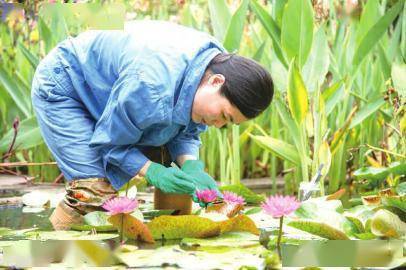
170 180
202 180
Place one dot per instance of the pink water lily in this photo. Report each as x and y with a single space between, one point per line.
206 195
278 205
120 205
232 198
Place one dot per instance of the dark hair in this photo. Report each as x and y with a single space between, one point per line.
248 85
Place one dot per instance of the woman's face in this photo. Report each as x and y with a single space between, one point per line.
211 108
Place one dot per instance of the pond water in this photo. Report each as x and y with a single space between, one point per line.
13 217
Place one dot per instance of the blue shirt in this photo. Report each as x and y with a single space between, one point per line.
139 86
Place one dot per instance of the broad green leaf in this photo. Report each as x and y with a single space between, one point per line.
357 223
375 33
271 28
369 17
401 189
32 59
387 224
96 218
397 168
235 29
371 173
28 136
384 61
297 94
220 17
319 228
297 30
260 52
20 98
332 96
249 196
398 202
178 227
278 147
287 120
399 78
366 111
45 34
316 67
278 7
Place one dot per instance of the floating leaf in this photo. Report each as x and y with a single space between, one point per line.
177 227
230 239
67 235
241 190
319 228
96 218
253 210
132 227
240 223
384 223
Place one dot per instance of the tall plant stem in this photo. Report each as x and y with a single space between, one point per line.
278 243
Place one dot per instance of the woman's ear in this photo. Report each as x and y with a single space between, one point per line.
216 79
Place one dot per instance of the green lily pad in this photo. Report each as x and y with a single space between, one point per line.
67 235
385 223
96 218
177 227
227 240
249 196
319 228
253 210
85 227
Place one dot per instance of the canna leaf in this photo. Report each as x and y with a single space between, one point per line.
398 75
297 30
375 33
271 28
366 111
220 17
235 29
297 94
278 147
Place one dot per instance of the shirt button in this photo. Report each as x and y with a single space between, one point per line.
57 70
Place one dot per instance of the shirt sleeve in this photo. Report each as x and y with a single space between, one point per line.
135 103
187 142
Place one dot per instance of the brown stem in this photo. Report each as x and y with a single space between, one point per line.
10 148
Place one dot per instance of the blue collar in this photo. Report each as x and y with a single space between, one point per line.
183 108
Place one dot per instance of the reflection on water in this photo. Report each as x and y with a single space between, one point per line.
12 216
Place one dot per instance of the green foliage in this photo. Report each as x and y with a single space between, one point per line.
241 190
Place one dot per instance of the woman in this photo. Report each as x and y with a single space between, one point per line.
111 104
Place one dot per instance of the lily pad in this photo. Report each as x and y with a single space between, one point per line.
240 223
241 190
66 235
319 228
177 227
385 223
85 227
229 240
131 227
253 210
96 218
